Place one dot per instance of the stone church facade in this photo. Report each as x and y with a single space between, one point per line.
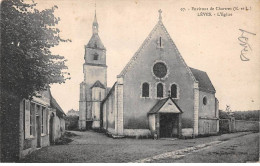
157 94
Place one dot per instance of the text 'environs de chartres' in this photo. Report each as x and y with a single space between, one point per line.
218 11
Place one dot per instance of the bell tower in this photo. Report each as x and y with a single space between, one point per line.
93 88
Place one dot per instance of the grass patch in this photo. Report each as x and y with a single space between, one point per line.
69 134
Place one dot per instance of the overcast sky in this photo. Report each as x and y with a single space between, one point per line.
206 43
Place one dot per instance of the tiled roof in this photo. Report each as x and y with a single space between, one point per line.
55 104
156 108
98 84
203 79
109 92
95 42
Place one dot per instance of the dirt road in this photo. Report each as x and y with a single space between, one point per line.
96 147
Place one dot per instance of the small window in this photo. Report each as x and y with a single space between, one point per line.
95 45
160 90
205 101
95 57
145 90
159 42
174 91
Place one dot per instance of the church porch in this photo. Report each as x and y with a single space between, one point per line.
165 119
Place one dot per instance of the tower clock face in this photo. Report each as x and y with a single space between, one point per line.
160 69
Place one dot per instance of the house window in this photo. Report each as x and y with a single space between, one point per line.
174 91
95 57
159 90
145 90
205 101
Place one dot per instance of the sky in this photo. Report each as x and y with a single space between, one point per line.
208 43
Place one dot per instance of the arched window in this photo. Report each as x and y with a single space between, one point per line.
95 57
145 90
205 101
174 91
160 90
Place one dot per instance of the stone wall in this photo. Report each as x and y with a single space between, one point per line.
108 111
208 126
242 125
120 107
228 126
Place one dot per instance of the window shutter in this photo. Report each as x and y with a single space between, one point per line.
47 120
27 118
43 119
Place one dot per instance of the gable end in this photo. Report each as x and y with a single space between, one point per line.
132 60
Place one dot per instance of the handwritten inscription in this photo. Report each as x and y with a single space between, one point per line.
244 39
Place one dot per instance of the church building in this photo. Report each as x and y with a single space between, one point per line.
157 94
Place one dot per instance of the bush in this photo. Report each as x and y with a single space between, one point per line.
241 115
71 122
224 126
65 139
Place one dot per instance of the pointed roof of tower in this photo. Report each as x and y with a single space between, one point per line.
95 41
95 19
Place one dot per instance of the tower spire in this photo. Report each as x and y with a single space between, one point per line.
95 23
95 19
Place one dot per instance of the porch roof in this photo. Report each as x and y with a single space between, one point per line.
157 107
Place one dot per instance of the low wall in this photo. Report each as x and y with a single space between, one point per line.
137 132
208 126
187 132
242 125
229 126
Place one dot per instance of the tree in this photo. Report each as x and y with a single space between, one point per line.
27 65
27 35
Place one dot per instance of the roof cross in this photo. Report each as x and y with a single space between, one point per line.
160 14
